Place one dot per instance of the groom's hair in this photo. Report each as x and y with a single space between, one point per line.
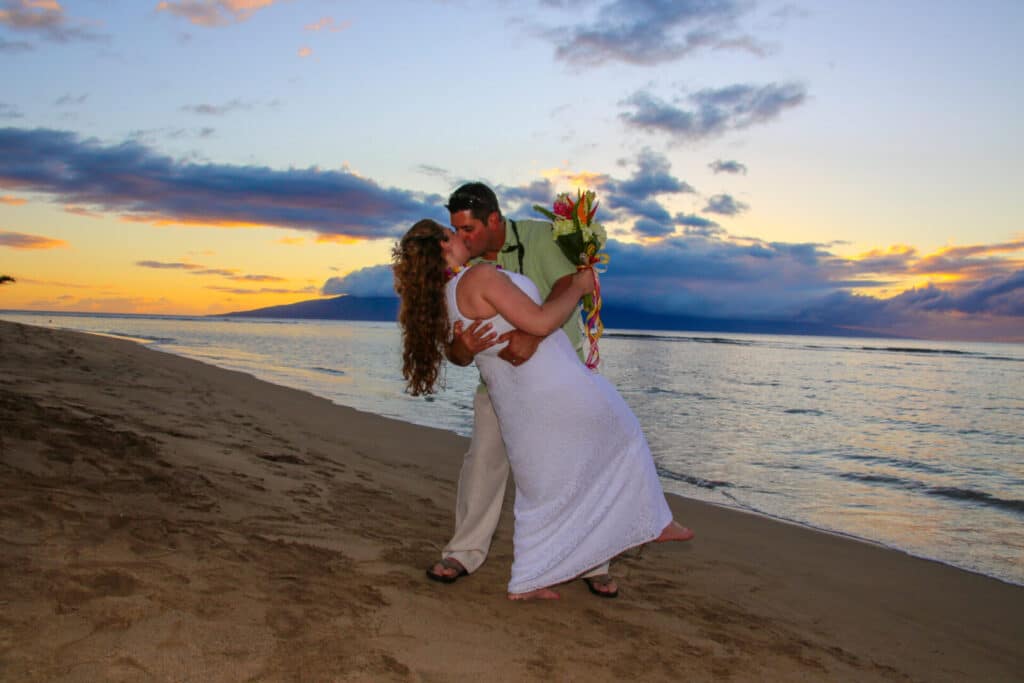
477 197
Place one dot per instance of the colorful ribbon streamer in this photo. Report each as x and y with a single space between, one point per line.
592 323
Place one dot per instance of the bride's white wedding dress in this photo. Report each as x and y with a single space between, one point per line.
586 487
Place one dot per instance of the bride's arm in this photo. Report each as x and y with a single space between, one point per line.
491 291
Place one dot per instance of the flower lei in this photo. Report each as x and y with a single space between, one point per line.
450 272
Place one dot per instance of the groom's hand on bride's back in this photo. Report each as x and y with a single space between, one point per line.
468 342
521 346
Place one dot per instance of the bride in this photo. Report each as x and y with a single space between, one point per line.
586 486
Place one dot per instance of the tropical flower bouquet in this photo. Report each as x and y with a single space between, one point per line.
581 240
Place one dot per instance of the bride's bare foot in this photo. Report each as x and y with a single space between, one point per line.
674 532
539 594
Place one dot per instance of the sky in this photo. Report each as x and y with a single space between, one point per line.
848 163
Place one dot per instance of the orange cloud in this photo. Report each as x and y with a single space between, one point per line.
165 221
80 211
19 240
56 283
262 290
291 241
12 201
339 239
894 250
582 179
305 51
328 24
215 12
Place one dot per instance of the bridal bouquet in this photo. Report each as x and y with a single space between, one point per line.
581 240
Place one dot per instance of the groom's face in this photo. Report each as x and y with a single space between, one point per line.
481 238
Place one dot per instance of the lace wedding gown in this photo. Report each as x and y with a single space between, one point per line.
586 487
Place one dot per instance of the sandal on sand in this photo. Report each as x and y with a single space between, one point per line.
600 584
448 563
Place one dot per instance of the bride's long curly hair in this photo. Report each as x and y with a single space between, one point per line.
420 275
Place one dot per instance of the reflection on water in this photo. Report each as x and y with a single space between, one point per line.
917 445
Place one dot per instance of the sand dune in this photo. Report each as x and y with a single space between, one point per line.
166 520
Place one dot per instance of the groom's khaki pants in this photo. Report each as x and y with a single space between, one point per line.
482 490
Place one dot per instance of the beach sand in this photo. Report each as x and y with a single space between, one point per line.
165 520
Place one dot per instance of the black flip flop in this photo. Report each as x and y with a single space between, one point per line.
448 563
593 582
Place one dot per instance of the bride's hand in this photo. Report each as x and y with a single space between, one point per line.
583 281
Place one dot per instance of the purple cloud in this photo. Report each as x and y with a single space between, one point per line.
724 205
648 32
131 179
712 112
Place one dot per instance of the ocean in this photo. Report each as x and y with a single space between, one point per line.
915 445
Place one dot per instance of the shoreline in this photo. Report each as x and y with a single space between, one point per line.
154 344
170 519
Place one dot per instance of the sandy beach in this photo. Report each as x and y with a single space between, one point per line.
165 520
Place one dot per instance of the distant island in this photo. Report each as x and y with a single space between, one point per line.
615 317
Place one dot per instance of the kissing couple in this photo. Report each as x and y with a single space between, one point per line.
500 293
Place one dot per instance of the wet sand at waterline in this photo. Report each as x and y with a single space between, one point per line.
163 519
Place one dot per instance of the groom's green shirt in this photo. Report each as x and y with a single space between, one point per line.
543 262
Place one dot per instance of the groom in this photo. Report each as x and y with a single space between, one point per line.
525 247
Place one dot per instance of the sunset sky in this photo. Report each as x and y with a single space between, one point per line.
851 163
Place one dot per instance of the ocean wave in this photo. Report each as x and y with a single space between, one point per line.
329 371
651 391
141 338
674 338
972 496
699 482
936 352
947 492
912 465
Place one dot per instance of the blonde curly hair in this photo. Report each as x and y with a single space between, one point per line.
420 274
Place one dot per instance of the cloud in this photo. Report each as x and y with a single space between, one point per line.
143 186
262 290
212 13
975 261
14 47
218 109
12 201
45 18
19 240
652 177
148 134
648 32
328 24
705 271
79 211
375 281
712 112
734 167
197 269
71 100
257 278
725 205
305 52
698 225
436 172
9 111
645 227
990 308
163 265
